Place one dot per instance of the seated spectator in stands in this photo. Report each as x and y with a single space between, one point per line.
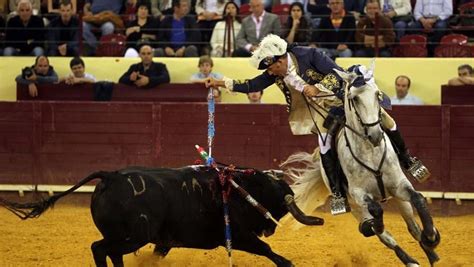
335 34
205 66
2 33
13 6
78 74
63 32
40 72
231 14
465 76
178 34
146 74
255 97
143 29
24 34
365 32
217 95
297 28
254 27
402 86
54 9
431 17
209 12
399 11
356 7
318 10
103 15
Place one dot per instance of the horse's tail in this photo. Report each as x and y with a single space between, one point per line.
308 183
35 209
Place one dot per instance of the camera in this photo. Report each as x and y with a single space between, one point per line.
27 72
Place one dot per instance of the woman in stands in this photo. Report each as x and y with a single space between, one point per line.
141 30
231 14
297 28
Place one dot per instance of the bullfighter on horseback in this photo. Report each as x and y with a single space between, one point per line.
312 89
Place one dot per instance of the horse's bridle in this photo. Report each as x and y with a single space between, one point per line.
364 124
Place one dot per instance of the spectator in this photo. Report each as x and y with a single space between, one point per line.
216 92
336 32
178 33
399 11
2 33
209 12
205 70
356 7
41 72
255 97
78 74
431 17
63 32
318 9
402 86
54 8
254 27
103 14
297 28
24 33
146 74
13 6
365 32
143 29
465 76
231 13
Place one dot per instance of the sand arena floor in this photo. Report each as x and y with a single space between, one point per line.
62 237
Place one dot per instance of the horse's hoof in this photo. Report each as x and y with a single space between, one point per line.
430 244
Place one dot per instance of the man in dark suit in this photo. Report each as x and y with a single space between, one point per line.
303 73
146 74
178 34
254 28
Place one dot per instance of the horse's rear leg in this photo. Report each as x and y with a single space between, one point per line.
385 237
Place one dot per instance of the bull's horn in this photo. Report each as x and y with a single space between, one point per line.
299 215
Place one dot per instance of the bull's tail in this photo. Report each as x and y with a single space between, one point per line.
35 209
308 183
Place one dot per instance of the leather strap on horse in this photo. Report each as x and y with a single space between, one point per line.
377 173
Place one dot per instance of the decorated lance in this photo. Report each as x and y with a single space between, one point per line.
241 191
209 162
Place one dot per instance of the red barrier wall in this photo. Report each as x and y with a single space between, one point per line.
51 142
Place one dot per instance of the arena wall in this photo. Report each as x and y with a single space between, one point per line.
48 142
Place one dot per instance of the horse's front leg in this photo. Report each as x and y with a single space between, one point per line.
375 226
407 213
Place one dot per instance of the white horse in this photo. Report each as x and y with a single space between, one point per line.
372 168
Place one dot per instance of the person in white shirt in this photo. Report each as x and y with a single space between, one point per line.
402 86
78 74
220 39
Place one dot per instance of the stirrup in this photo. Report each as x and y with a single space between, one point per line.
339 205
418 170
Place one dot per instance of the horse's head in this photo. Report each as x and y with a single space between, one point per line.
361 102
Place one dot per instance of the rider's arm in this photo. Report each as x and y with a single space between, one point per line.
255 84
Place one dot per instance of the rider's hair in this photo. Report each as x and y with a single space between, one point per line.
403 76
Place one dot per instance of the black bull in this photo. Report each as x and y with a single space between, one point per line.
177 208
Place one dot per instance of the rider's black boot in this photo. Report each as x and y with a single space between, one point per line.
331 167
412 164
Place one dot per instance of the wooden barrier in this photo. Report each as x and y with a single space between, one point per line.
457 95
50 142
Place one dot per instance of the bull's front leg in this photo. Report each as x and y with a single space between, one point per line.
251 243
